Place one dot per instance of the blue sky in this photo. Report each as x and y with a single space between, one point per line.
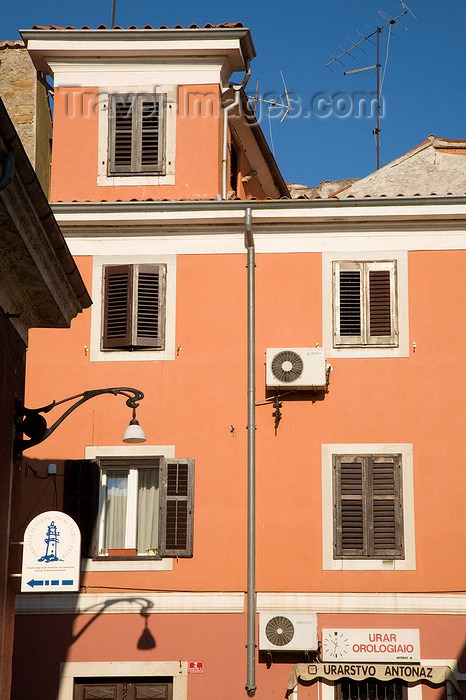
423 90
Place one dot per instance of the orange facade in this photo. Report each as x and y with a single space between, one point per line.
398 399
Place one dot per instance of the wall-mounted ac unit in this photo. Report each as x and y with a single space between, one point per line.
296 368
288 632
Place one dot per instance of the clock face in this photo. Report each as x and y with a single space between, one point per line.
335 645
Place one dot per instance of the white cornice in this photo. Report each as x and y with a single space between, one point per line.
123 602
364 603
140 213
46 46
221 602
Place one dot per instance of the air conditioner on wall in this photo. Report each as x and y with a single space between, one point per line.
296 368
288 632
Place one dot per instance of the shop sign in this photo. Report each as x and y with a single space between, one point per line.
410 673
376 645
51 554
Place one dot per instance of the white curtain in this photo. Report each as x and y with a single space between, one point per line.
148 510
116 505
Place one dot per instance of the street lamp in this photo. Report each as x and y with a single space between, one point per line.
28 421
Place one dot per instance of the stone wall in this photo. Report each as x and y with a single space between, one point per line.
26 101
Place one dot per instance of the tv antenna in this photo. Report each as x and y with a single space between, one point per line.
358 45
273 104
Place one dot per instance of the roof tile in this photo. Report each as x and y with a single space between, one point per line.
223 25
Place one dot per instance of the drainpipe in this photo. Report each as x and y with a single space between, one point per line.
8 169
237 89
251 591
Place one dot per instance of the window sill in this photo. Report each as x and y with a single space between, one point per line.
369 564
366 351
106 563
135 180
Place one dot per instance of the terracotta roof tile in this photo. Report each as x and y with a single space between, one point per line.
12 44
223 25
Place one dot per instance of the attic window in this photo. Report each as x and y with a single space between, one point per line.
136 134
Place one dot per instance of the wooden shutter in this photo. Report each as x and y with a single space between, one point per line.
136 134
121 134
118 306
368 517
379 303
149 314
349 517
81 500
134 306
151 112
176 507
381 319
365 303
348 303
385 504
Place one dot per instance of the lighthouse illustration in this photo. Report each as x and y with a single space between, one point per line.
51 541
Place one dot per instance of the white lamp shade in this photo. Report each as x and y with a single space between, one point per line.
134 432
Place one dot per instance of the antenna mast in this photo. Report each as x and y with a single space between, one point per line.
377 32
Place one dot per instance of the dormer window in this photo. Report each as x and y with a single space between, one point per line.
136 134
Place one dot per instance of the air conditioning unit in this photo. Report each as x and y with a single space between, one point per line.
285 632
296 368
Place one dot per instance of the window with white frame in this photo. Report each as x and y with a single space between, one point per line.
172 674
132 507
133 314
134 310
365 309
368 507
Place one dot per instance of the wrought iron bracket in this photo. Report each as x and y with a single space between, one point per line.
30 422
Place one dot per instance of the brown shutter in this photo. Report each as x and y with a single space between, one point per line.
176 507
150 306
81 500
151 140
368 516
349 505
379 303
350 302
118 311
121 134
136 134
385 537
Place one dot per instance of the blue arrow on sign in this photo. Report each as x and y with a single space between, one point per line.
33 583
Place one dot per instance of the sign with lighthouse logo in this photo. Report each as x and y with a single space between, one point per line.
51 554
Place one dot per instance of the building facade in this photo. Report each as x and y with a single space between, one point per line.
158 170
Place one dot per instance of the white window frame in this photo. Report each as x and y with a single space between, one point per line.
177 670
400 293
170 98
408 563
97 354
151 453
